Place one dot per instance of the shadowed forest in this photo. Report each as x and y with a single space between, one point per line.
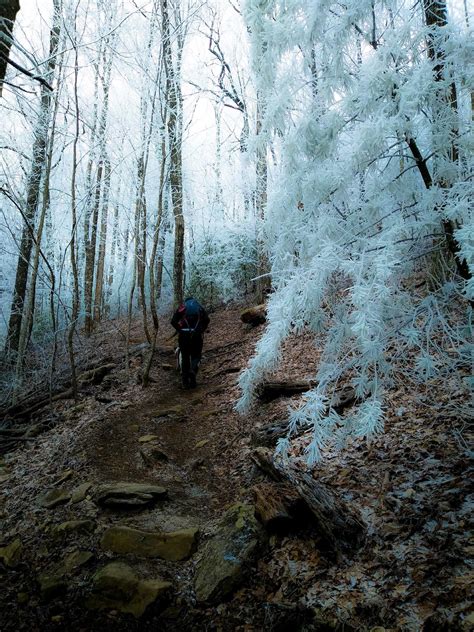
300 173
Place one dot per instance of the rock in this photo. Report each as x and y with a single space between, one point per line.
79 493
173 546
76 560
167 367
116 580
71 526
158 455
123 495
55 497
65 476
10 555
227 555
201 444
4 478
169 411
51 586
117 587
147 438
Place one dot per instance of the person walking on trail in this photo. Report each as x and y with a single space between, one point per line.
190 321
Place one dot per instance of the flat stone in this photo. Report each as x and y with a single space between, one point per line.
167 367
169 411
71 526
147 438
55 497
10 554
173 545
117 587
80 492
51 586
129 495
227 556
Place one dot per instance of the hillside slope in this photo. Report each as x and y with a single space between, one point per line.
60 527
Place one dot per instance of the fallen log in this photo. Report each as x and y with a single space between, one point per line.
92 376
96 375
269 435
342 528
256 315
271 390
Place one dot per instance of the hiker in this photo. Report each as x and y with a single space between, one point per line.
190 321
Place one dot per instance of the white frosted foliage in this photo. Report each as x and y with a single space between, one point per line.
351 95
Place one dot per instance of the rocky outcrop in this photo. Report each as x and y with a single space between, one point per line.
172 546
117 587
227 556
129 495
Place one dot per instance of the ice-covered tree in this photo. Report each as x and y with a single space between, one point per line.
368 110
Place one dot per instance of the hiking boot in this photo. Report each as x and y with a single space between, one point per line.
192 380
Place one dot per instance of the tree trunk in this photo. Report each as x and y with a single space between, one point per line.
175 150
8 11
90 251
99 283
27 322
72 246
32 197
263 281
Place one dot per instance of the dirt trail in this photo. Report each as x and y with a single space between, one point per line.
197 430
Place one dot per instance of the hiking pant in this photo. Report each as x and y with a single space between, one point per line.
190 345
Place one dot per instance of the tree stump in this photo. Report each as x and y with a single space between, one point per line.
276 506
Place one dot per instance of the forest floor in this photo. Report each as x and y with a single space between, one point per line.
410 485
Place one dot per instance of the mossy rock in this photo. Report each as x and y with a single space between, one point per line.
55 497
117 587
73 526
172 546
80 492
225 559
10 555
76 560
51 586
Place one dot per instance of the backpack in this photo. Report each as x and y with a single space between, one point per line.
190 315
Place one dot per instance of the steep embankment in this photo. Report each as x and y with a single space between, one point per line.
84 549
